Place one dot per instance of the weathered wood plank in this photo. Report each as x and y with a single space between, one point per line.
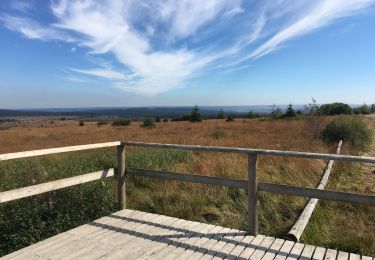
121 193
285 250
296 251
250 248
319 253
330 254
321 156
189 178
262 249
236 252
274 249
296 231
318 194
354 257
53 185
307 252
343 256
252 189
9 156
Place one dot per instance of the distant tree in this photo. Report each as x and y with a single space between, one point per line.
185 117
276 112
230 118
336 109
290 112
314 118
221 114
364 110
63 118
372 109
81 123
252 115
148 122
157 119
195 115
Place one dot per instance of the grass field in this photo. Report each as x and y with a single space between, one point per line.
338 225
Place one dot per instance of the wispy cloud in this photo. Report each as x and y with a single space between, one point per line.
162 45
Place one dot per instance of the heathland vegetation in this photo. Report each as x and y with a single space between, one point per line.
344 226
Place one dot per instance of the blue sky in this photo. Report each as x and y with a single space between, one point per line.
214 52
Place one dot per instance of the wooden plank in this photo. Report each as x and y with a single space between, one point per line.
240 247
252 194
53 185
262 249
343 256
319 253
307 252
262 186
366 258
9 156
250 248
189 178
274 249
318 194
285 250
177 244
156 240
219 245
296 251
296 231
330 254
198 245
121 200
354 257
230 245
321 156
208 245
161 240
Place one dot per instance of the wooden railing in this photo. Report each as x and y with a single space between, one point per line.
252 185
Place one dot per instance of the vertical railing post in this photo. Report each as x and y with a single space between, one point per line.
252 194
121 177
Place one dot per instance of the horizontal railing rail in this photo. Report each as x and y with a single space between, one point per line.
251 184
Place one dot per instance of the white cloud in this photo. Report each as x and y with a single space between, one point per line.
323 13
162 45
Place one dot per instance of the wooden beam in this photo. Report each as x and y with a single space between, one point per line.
9 156
189 178
252 194
53 185
296 231
318 194
321 156
121 194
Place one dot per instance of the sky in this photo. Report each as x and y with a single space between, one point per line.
85 53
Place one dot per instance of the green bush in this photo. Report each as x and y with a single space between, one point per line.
352 129
121 122
230 118
148 122
99 123
336 109
195 115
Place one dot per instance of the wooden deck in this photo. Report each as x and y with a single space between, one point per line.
130 234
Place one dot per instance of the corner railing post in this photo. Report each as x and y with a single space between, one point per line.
121 177
252 194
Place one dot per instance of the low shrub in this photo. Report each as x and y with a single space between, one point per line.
81 123
218 134
99 123
148 122
121 122
230 118
352 129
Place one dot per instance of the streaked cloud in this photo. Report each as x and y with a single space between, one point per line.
164 45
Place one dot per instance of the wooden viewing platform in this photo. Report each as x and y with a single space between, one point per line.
131 234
